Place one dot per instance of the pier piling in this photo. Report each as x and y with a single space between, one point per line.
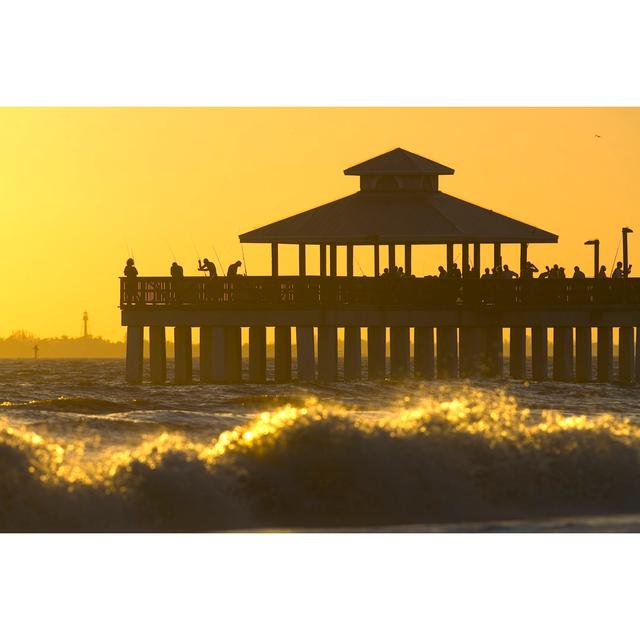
182 355
158 354
605 354
258 354
305 358
282 354
423 353
135 345
376 352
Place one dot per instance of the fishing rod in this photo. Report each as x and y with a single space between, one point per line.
244 260
359 267
223 272
199 261
615 257
173 254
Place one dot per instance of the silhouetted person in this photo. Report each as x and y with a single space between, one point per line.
176 270
497 272
554 274
602 274
561 274
577 274
442 272
177 274
487 274
455 271
131 282
207 265
619 271
529 270
385 273
233 269
401 272
546 274
507 274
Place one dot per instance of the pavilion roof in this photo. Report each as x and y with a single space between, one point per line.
418 217
398 162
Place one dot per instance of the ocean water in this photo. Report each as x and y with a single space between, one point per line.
80 450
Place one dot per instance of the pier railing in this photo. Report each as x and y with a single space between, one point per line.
331 292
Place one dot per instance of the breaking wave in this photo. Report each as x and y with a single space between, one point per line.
470 456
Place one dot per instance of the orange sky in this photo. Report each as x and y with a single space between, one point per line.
79 186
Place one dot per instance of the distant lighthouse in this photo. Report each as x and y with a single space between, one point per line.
85 325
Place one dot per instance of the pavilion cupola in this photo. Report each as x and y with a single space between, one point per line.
399 170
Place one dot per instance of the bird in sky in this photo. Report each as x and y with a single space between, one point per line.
598 136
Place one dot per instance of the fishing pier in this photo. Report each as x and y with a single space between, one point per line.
437 327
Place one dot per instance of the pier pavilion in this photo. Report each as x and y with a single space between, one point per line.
457 324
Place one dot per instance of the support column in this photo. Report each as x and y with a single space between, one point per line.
492 363
637 354
497 255
392 256
182 355
465 259
258 355
206 354
517 352
158 355
274 259
407 258
327 354
352 353
563 353
302 259
584 364
376 260
376 352
135 346
305 354
333 260
218 354
605 354
350 260
471 351
476 259
400 351
449 256
539 353
283 354
423 353
323 259
626 364
233 354
523 258
447 353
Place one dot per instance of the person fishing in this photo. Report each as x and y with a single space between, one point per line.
177 275
602 274
487 274
578 274
232 271
529 270
546 274
207 266
619 271
131 282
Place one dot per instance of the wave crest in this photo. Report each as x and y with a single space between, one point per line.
450 457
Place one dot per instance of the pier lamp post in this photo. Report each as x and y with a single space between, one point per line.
625 250
596 256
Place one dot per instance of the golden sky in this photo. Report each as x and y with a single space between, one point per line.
81 187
